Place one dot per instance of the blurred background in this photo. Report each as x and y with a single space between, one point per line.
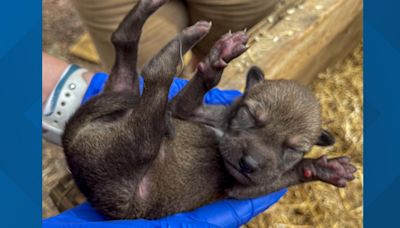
339 87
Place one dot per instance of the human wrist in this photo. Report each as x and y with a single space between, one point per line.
52 69
63 101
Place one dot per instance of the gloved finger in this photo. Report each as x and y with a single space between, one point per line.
247 210
230 212
221 97
213 97
96 85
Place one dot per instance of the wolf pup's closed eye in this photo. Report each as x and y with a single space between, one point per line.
138 156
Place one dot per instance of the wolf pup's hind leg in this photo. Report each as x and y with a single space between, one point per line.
150 120
124 75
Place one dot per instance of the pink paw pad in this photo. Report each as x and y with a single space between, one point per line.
229 47
336 171
307 173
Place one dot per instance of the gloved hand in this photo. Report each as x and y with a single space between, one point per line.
223 213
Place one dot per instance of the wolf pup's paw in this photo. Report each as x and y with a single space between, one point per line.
228 47
336 171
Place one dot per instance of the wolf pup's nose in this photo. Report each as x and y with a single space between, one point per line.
247 164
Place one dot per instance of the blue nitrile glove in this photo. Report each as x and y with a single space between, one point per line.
223 213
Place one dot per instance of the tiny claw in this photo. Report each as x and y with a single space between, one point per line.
323 160
344 159
245 30
221 63
341 183
230 32
351 169
350 177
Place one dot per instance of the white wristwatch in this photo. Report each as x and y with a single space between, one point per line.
63 102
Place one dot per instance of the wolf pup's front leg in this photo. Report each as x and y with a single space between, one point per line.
188 104
336 171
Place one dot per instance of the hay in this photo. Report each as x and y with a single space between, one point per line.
53 169
316 204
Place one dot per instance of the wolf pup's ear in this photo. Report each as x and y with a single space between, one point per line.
254 76
325 139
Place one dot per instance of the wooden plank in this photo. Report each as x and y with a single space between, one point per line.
299 43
